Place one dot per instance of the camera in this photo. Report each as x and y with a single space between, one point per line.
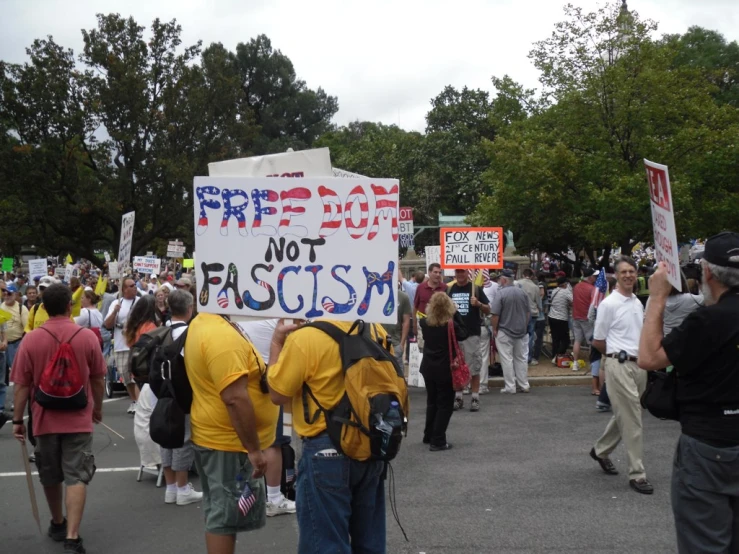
622 357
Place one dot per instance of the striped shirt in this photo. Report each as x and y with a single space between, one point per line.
561 304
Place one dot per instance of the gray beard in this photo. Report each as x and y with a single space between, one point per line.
707 295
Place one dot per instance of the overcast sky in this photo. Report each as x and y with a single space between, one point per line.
383 59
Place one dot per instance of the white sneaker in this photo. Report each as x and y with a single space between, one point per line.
534 362
183 499
285 506
131 408
554 360
466 390
170 497
484 390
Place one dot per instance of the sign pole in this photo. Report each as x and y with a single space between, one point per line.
31 490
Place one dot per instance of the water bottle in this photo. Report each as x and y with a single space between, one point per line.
393 415
387 424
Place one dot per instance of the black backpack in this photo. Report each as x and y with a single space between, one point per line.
167 423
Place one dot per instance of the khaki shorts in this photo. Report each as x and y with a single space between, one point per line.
472 355
65 458
123 365
218 471
583 330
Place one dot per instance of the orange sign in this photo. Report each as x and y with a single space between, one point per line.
472 247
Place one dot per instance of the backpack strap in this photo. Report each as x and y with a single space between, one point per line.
338 335
57 340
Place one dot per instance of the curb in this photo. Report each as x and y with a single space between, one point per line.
553 381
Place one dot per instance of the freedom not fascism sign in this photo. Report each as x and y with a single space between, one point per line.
471 247
297 248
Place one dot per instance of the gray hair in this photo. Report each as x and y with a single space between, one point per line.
727 276
180 301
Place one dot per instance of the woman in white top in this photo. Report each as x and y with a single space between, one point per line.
90 316
560 309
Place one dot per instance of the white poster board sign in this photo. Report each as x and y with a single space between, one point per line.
344 174
305 163
107 256
37 268
68 272
124 248
308 248
146 264
433 256
471 247
415 379
113 271
663 221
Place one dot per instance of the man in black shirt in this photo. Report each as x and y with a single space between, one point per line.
704 351
469 305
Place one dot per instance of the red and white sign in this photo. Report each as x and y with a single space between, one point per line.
405 221
663 221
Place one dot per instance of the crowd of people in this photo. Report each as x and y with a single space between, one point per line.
244 375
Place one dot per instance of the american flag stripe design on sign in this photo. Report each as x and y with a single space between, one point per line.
601 286
246 500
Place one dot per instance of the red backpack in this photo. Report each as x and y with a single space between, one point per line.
61 386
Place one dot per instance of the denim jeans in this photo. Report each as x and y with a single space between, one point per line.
532 337
541 327
3 388
341 502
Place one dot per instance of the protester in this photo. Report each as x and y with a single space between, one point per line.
260 334
398 332
31 296
560 308
436 369
177 462
115 321
704 351
424 291
77 290
582 327
14 330
37 315
511 318
340 501
471 304
531 288
618 326
541 323
64 437
678 306
232 420
162 309
90 316
142 319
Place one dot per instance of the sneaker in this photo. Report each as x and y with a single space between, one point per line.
131 408
74 545
534 362
434 448
285 506
189 497
58 532
523 390
484 390
170 497
554 360
475 405
458 404
507 391
602 406
466 390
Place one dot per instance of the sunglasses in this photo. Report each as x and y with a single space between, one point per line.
5 291
181 286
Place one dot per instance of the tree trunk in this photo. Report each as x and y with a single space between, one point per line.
605 259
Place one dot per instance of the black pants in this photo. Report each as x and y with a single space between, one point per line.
560 335
439 408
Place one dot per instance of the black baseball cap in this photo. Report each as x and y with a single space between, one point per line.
723 250
588 272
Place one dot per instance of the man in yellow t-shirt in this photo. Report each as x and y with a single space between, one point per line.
335 494
232 420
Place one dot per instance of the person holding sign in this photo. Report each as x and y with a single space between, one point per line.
471 302
704 351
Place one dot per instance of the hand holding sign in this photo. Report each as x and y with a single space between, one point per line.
659 282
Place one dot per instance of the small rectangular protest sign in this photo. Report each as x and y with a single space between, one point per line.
7 264
471 247
113 271
433 256
147 264
663 221
37 268
304 163
415 379
307 248
124 248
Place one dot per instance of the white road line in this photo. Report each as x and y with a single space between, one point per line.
114 399
98 470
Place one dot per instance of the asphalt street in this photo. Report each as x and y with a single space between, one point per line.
518 480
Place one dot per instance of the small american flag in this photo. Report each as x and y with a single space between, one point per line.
599 293
246 500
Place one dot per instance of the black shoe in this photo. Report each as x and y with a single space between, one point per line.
3 419
642 486
58 532
434 448
605 464
74 545
426 440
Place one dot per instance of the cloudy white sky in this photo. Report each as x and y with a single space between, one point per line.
383 59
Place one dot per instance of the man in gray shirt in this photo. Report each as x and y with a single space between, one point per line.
511 315
531 289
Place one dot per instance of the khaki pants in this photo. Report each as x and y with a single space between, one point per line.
626 383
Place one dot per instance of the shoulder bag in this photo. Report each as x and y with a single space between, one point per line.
460 371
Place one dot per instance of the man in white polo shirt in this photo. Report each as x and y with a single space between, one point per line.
617 331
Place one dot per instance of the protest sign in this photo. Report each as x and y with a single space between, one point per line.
37 268
188 263
107 256
124 248
406 227
113 271
302 249
175 249
343 173
147 264
415 379
5 317
433 256
663 221
305 163
472 247
68 272
7 264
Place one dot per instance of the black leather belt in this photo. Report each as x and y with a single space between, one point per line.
15 341
629 358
